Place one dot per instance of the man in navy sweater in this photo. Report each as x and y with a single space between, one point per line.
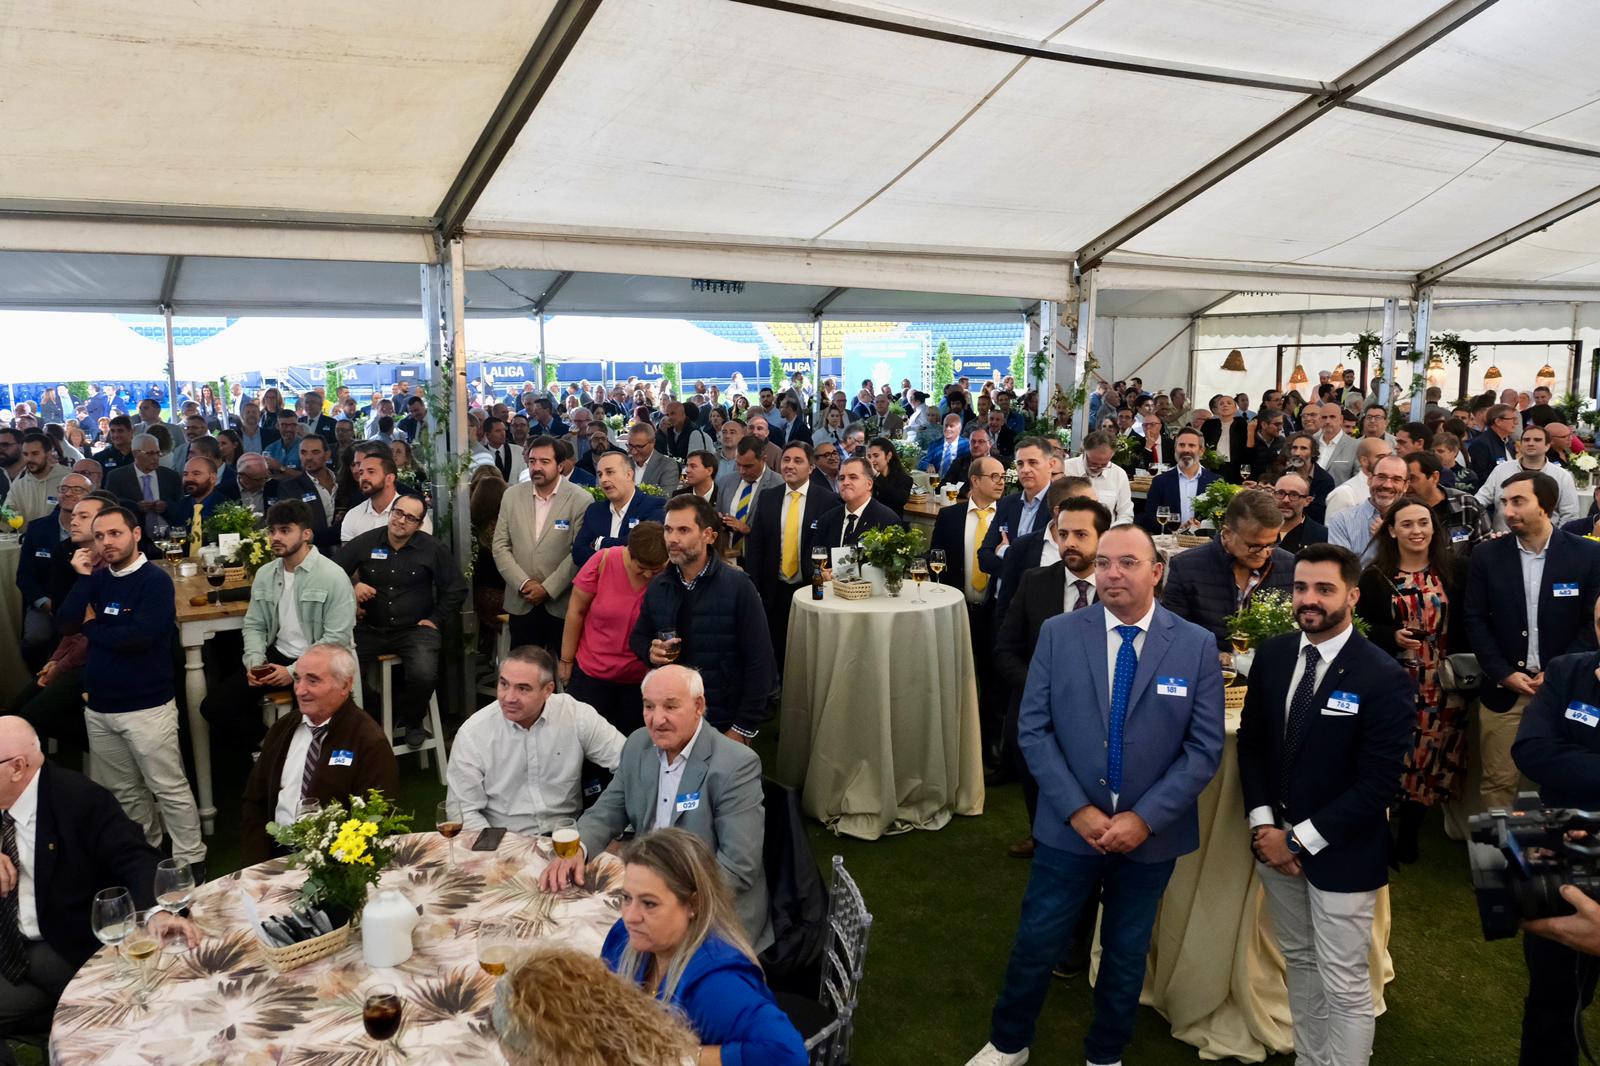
128 614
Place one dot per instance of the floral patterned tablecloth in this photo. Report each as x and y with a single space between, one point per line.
223 1003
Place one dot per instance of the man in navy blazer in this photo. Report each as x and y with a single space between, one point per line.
764 547
1020 513
1166 490
1513 646
1114 812
1323 740
606 523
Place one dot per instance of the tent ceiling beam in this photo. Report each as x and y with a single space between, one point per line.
95 210
1495 133
169 280
544 60
1358 77
827 299
1533 225
549 294
1214 303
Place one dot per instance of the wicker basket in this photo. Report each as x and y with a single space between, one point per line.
1190 540
1233 697
234 577
298 954
1139 484
852 590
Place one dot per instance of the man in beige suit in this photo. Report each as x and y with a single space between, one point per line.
533 547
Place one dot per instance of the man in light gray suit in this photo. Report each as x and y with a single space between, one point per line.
650 467
533 547
1114 815
678 772
739 488
1337 451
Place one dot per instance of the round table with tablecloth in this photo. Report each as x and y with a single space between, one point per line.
880 711
223 1003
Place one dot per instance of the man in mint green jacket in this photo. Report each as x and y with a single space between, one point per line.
298 599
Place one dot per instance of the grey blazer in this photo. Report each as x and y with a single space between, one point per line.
722 781
1342 466
661 471
521 552
728 489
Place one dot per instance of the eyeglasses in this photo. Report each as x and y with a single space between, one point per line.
407 517
1283 494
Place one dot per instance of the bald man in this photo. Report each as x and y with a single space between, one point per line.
87 843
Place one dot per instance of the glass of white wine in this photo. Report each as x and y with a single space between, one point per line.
495 947
448 819
1163 518
936 562
111 916
143 947
918 572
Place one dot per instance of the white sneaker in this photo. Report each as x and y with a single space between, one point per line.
993 1056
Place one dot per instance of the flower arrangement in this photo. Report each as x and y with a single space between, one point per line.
1266 614
229 518
11 518
596 491
1210 504
910 453
1210 459
647 489
892 548
255 551
615 423
343 850
1584 461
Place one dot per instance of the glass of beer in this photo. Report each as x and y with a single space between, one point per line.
495 946
564 838
447 817
669 638
380 1012
918 572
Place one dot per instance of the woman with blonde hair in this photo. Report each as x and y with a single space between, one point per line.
563 1008
681 939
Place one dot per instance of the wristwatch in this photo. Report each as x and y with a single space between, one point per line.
1293 842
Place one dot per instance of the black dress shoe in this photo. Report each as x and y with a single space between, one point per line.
197 870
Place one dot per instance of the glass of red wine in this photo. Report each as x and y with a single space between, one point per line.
380 1013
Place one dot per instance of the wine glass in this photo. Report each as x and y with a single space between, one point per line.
215 577
495 942
111 916
1163 518
143 946
936 562
447 817
174 885
1244 472
918 572
380 1012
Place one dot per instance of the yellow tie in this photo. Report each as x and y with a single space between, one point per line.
791 538
980 580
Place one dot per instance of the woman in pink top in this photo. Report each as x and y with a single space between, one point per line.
597 667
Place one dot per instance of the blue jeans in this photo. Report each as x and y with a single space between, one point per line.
1058 884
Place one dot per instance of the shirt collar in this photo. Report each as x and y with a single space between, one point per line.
973 507
138 561
26 806
1545 548
1328 650
1112 621
683 756
857 512
801 488
1186 477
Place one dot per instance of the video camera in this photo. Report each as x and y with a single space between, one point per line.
1521 858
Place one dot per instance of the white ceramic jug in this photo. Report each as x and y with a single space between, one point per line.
386 924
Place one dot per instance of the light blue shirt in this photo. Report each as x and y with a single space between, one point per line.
1351 529
1030 512
1188 487
1532 580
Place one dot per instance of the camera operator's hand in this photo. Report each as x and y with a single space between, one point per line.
1580 931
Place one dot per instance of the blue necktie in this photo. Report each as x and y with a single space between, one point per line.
1121 688
949 457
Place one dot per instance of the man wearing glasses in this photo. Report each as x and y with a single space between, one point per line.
650 467
1494 445
407 586
1293 494
1356 527
1207 584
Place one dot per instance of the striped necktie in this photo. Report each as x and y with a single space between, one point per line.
13 947
741 507
313 754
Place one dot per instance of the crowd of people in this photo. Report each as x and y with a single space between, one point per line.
643 548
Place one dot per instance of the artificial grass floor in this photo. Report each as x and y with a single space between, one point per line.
945 908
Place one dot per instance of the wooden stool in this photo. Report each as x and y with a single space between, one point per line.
435 743
274 705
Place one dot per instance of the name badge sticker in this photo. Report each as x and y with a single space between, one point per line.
43 554
1564 589
1459 535
687 801
342 758
380 553
1583 712
562 525
1343 703
1172 686
112 609
309 497
631 523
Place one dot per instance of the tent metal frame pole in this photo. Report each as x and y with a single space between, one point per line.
172 361
542 383
1391 308
816 362
1422 313
455 308
1089 299
1543 220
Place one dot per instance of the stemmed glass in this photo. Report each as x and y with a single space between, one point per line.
143 946
215 577
936 562
111 916
448 818
174 886
307 809
918 572
1163 518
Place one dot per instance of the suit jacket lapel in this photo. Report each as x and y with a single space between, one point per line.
1098 670
694 774
44 838
1156 640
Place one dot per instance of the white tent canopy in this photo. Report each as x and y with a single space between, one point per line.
38 345
893 146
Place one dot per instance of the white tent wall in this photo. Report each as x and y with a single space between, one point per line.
1156 350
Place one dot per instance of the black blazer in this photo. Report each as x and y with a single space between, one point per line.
1377 607
125 484
1163 492
831 525
892 490
1039 597
1307 532
1025 554
763 548
1238 435
1497 616
1562 753
950 535
299 487
83 842
1346 771
1485 451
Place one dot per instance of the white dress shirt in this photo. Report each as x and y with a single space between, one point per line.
1113 646
25 812
1351 494
1069 599
292 640
671 776
1110 487
364 517
1327 651
845 524
1567 506
1325 448
1532 584
617 517
502 774
294 773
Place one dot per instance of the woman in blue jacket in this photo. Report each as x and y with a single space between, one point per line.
680 938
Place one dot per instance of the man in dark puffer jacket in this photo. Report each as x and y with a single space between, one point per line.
720 623
1207 584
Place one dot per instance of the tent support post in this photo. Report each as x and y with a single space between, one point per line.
1419 347
1386 375
540 391
1084 361
172 362
816 367
1043 335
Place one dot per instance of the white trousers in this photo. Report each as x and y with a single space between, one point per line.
1325 938
135 755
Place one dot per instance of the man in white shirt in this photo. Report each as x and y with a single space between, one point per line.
518 762
1352 492
1532 454
375 476
1109 480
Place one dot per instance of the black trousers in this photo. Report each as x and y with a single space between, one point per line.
992 690
1560 983
1012 755
232 707
778 605
55 711
418 649
27 1008
538 627
620 703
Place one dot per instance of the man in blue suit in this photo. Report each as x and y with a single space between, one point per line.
1176 489
1111 814
1020 513
606 523
1323 740
944 452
